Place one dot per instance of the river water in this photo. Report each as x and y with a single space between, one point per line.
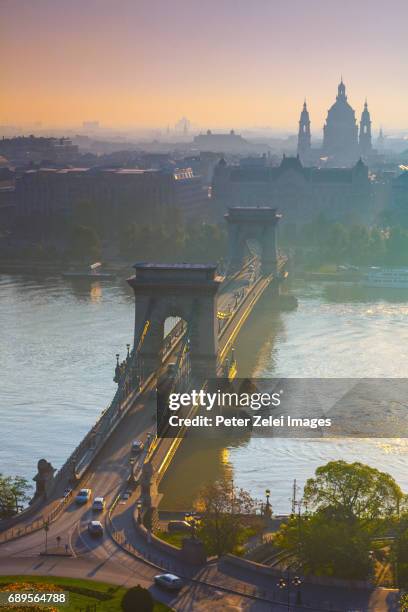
58 342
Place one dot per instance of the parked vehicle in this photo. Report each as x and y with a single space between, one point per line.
95 529
98 504
169 581
178 526
137 447
83 496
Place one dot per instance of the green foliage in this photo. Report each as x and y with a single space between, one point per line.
137 598
400 552
83 593
223 508
327 547
351 491
84 243
403 603
175 539
13 493
397 247
323 242
349 504
170 240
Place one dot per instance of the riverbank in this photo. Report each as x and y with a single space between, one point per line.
59 267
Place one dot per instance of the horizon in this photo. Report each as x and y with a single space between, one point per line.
214 65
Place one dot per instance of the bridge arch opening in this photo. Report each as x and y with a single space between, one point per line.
186 291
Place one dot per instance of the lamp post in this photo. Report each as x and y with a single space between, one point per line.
371 556
286 584
46 527
193 523
268 505
297 584
139 512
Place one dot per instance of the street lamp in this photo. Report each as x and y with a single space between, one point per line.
268 505
297 584
286 584
46 527
371 556
139 512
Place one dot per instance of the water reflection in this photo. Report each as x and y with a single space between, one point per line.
352 292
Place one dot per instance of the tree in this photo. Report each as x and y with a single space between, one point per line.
337 243
376 251
397 247
400 552
223 508
349 504
13 493
324 546
85 243
353 491
137 598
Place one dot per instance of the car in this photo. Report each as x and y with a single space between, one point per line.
192 517
169 581
83 496
178 526
98 504
137 447
95 529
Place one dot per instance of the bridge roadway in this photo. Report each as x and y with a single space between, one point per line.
212 587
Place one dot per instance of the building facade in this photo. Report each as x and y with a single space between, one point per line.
24 150
300 193
119 193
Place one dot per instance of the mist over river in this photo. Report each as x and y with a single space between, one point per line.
58 341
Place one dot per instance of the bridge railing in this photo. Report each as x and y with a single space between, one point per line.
132 380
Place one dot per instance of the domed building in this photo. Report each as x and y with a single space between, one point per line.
340 132
343 142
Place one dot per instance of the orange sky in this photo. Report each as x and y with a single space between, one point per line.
221 63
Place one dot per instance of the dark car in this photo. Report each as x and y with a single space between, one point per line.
178 526
137 447
95 529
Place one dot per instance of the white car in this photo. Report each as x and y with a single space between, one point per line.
169 581
98 504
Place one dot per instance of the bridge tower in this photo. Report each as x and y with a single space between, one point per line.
182 290
252 223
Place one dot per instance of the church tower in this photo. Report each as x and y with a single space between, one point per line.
381 140
304 137
365 132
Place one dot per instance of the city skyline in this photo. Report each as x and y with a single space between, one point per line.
149 63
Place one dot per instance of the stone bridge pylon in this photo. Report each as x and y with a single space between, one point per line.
181 290
252 223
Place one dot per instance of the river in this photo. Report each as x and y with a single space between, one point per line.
58 344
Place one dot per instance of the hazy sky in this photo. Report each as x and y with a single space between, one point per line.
222 63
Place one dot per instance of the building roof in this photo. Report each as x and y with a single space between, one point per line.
313 175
